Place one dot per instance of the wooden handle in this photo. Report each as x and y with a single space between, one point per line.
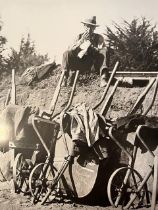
56 93
13 90
141 97
108 85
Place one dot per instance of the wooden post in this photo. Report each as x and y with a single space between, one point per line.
13 90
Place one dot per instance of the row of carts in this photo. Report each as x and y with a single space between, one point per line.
48 167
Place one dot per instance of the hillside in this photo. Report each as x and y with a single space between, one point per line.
40 94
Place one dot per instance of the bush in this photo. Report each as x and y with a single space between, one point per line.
134 44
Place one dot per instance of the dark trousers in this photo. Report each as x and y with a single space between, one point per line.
93 58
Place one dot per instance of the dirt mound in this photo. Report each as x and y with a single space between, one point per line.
40 93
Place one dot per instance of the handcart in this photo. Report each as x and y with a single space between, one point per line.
40 179
61 167
126 186
28 151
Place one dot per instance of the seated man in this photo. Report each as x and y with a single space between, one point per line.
87 51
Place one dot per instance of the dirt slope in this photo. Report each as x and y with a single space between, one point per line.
88 91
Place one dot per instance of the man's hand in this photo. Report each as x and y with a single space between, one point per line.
85 36
95 49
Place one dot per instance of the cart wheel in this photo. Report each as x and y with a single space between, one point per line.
123 185
19 176
39 180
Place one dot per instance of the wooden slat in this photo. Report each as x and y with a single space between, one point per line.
136 74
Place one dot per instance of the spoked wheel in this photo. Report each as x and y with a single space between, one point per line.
20 177
123 187
39 183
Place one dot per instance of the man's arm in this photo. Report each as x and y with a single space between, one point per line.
99 42
78 41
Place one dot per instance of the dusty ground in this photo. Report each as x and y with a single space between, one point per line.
40 95
12 201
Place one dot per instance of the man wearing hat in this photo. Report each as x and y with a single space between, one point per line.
88 51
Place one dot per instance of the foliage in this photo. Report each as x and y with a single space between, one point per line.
134 44
25 57
3 41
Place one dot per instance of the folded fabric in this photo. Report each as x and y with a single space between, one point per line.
85 124
84 47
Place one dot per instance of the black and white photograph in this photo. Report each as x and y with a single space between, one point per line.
78 104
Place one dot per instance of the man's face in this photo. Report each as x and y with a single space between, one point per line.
89 28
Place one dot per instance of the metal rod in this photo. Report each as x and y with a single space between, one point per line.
140 127
39 136
63 133
120 146
57 178
133 197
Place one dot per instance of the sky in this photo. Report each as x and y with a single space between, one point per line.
53 24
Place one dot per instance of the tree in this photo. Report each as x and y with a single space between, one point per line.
25 57
134 44
3 41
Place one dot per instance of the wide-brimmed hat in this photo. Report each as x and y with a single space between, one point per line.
90 21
